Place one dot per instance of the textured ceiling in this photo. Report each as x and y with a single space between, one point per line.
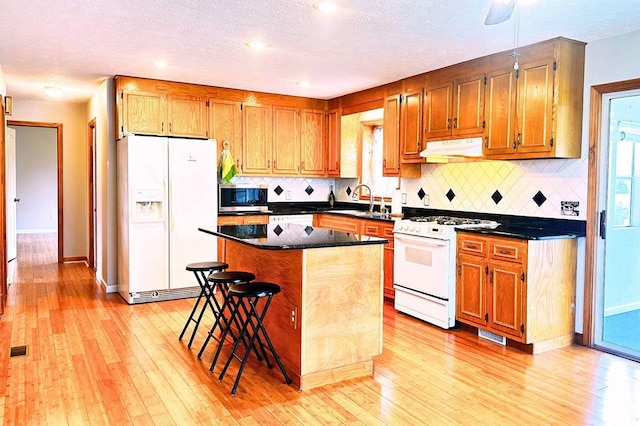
76 44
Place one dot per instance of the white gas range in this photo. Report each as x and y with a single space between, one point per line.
424 266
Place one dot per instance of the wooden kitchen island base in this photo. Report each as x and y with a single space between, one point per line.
326 323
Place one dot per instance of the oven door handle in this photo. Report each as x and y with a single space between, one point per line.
420 240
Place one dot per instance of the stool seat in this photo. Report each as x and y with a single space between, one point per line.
206 266
231 277
255 289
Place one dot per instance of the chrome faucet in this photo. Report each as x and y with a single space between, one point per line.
356 194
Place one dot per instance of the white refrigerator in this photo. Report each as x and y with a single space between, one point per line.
167 188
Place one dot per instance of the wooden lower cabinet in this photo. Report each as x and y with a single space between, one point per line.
523 290
374 228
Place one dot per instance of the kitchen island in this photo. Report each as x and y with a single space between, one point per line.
326 323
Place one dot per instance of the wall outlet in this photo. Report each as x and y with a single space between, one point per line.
426 199
288 195
404 198
293 316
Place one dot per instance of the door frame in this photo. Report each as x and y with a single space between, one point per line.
58 127
92 190
3 212
593 195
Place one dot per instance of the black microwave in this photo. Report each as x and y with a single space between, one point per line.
242 198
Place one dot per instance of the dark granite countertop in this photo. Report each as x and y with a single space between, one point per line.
346 209
522 232
289 236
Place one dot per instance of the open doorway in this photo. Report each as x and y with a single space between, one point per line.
91 162
45 216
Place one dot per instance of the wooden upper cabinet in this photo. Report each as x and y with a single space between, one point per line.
535 106
391 136
312 142
468 102
455 108
438 100
149 113
256 139
187 116
536 112
286 140
143 113
333 142
411 126
225 124
500 112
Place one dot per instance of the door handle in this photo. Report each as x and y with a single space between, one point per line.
16 200
603 224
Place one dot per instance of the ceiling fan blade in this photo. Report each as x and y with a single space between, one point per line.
499 11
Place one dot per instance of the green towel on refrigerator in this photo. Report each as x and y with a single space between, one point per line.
227 166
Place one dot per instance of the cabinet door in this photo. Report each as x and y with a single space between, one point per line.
225 124
501 112
144 113
333 143
535 106
256 139
411 126
437 110
506 298
312 138
391 136
339 223
387 232
286 140
468 117
471 295
187 116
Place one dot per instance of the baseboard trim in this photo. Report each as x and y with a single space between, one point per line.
37 231
71 259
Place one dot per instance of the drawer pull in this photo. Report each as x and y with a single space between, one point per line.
472 247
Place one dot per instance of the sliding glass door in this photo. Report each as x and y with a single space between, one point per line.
617 320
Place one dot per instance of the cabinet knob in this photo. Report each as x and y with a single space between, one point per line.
455 123
448 123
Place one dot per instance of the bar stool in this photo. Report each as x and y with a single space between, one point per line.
222 281
201 270
244 298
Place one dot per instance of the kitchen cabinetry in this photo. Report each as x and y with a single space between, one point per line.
374 228
256 139
454 107
312 142
333 143
411 125
391 136
536 111
151 113
383 230
286 141
225 124
521 289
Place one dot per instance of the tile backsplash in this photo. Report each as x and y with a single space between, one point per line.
554 188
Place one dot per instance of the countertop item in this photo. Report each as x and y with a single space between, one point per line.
522 232
287 236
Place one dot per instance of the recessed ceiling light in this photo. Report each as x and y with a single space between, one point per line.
304 83
160 64
326 6
52 91
256 45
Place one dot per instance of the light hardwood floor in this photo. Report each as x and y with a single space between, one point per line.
93 359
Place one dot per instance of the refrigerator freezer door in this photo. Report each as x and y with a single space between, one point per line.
193 203
148 248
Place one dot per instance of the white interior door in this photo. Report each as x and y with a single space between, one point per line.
12 199
618 287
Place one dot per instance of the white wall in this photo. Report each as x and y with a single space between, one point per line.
102 107
3 84
36 179
74 164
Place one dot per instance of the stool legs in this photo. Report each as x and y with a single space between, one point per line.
205 291
257 328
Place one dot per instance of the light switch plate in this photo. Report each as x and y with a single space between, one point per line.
288 195
404 198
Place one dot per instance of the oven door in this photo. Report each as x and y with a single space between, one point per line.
423 265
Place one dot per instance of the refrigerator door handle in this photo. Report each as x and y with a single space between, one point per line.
171 215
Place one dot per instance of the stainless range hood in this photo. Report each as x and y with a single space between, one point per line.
441 151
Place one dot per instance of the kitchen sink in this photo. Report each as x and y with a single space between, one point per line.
363 213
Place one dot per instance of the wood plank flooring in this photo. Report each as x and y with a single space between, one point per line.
93 359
